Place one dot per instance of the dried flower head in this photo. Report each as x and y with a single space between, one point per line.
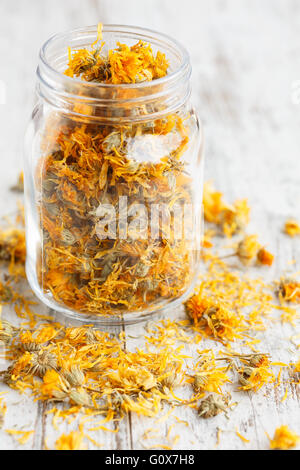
232 218
284 439
265 257
213 405
253 378
248 249
289 290
7 331
71 441
123 64
41 362
215 318
292 228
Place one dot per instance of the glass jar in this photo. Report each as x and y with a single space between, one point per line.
113 185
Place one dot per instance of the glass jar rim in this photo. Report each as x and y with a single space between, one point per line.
140 33
168 93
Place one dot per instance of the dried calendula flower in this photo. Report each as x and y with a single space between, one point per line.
210 380
265 257
213 317
209 377
41 362
232 218
80 397
289 290
236 218
75 376
292 227
284 439
252 360
7 331
253 378
248 249
83 367
54 386
12 245
213 405
124 64
33 341
71 441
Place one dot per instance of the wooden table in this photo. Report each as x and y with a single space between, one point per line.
246 64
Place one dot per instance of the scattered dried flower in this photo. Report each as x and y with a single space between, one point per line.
284 439
289 290
292 228
213 405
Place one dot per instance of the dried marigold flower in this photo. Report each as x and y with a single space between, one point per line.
71 441
41 362
253 378
124 64
235 219
12 245
213 405
210 380
258 360
74 376
247 249
284 439
292 228
265 257
80 397
7 331
289 290
216 319
232 218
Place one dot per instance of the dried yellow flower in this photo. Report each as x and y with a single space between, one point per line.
265 257
232 218
214 318
213 405
247 249
289 290
284 439
71 441
292 228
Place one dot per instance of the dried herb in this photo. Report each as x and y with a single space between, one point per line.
123 64
214 318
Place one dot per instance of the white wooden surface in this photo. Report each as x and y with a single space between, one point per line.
246 60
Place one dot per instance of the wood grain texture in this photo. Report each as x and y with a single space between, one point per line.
246 60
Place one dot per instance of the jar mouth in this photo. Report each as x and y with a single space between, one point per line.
163 95
89 34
